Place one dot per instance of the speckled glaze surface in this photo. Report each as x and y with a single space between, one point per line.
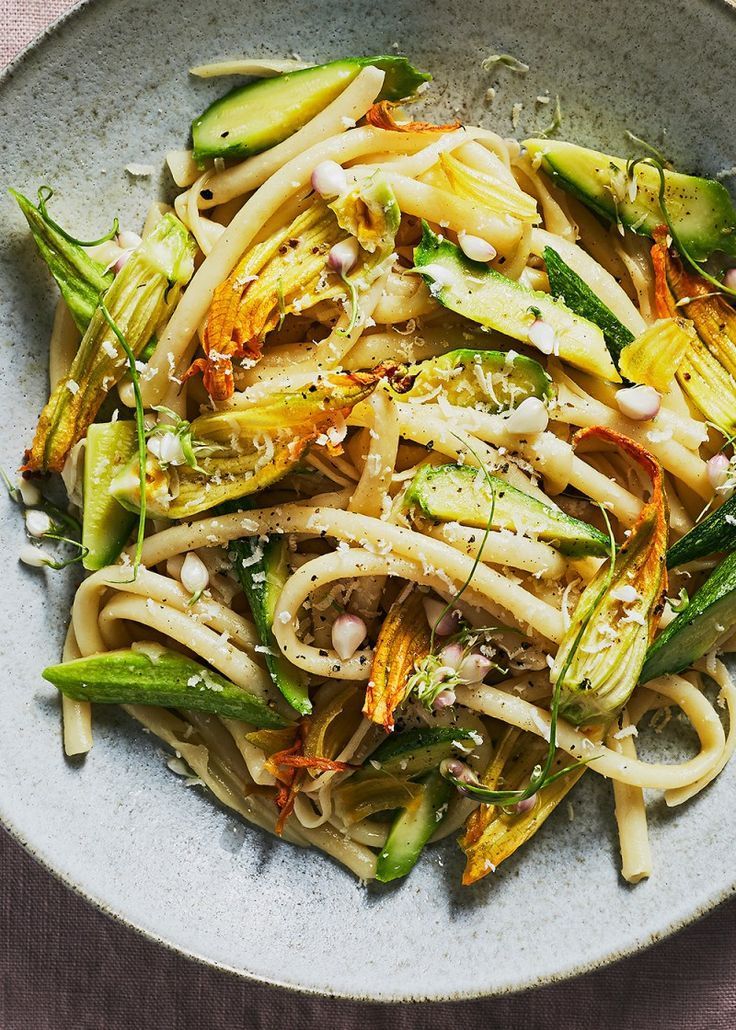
107 87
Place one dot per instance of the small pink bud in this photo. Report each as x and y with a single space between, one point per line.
476 248
640 403
36 557
474 668
445 699
329 179
460 771
448 622
525 806
531 416
452 656
542 336
38 523
348 633
128 240
122 261
717 468
343 255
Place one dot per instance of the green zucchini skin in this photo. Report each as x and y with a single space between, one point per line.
412 828
485 296
715 533
695 631
261 114
416 752
578 296
262 582
701 209
454 493
167 679
106 525
522 377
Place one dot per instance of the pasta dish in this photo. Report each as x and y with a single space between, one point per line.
399 457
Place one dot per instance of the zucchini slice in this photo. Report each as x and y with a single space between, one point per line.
106 525
262 571
157 676
493 379
257 116
483 295
387 779
711 612
415 752
567 285
460 493
715 533
413 827
701 209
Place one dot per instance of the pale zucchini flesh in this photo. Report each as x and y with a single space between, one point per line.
462 493
702 213
415 752
106 525
710 615
482 294
413 827
494 380
261 114
262 571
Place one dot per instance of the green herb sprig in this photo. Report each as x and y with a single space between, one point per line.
653 151
45 193
140 426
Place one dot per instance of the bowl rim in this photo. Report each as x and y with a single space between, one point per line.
567 972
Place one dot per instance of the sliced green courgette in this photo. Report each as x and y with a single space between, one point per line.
106 525
413 827
153 675
715 533
575 292
460 493
710 613
701 209
496 380
385 781
415 752
259 115
262 571
480 293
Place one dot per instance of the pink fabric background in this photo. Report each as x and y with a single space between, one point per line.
65 966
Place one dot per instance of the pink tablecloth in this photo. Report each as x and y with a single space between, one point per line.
64 966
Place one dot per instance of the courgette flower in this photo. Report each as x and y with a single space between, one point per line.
603 650
241 452
707 372
141 297
286 273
